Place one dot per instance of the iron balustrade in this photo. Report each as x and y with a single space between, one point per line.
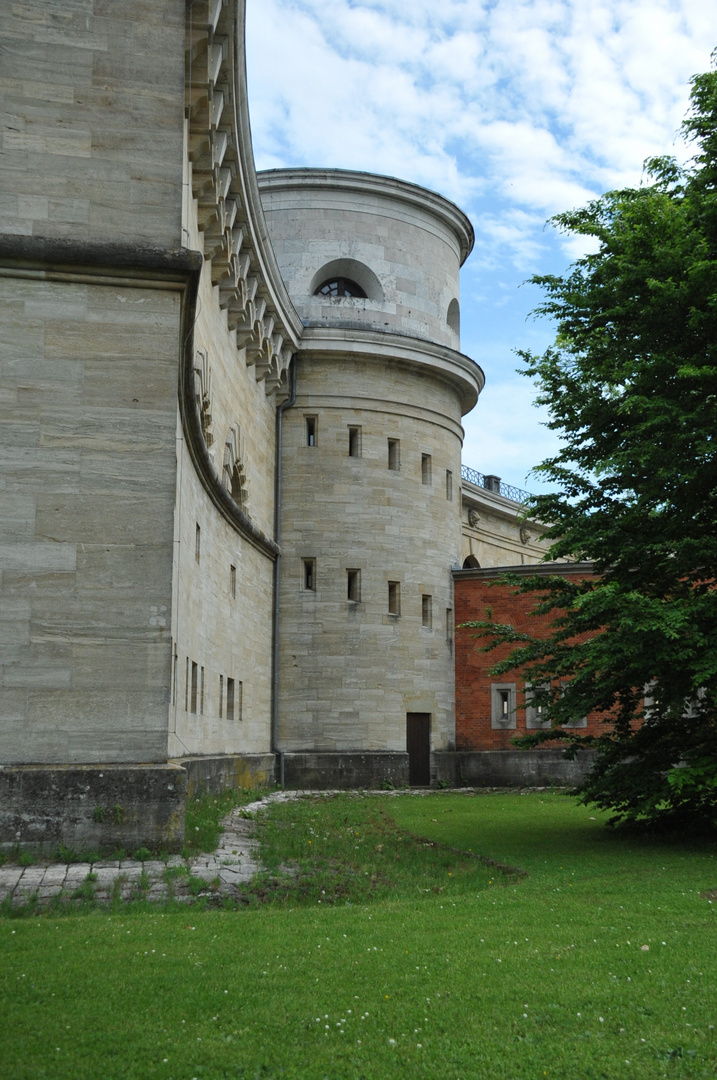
515 494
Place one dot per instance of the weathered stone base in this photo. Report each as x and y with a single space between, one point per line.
215 774
351 769
510 768
92 807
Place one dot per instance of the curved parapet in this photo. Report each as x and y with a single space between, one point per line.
401 244
343 344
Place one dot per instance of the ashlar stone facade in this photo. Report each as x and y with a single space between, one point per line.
231 501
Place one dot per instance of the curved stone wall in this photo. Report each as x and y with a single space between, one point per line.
370 510
404 245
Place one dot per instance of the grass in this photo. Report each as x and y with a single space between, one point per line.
414 960
204 815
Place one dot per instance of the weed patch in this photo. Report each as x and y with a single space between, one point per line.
348 849
204 815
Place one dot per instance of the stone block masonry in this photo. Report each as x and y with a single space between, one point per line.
92 807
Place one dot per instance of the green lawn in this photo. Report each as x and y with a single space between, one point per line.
381 956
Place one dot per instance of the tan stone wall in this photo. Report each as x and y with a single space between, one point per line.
349 672
87 433
358 221
92 95
494 532
225 635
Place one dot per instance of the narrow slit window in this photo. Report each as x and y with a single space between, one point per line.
425 468
449 625
309 567
536 714
186 687
449 485
197 543
230 699
427 611
201 692
394 597
394 454
233 581
240 700
354 442
353 585
311 430
221 695
502 705
193 694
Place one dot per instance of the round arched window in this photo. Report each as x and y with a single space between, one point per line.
340 286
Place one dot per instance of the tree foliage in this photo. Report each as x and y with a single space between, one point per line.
631 385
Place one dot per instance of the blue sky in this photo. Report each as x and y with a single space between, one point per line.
515 109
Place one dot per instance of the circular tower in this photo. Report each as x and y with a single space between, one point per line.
370 465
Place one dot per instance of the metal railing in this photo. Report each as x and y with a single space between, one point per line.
495 484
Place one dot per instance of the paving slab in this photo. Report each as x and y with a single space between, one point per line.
234 863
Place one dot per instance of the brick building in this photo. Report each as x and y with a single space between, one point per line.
492 711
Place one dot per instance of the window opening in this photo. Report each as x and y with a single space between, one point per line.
394 597
394 454
427 611
233 581
193 695
309 574
311 426
502 705
449 625
240 700
201 692
449 485
186 687
536 716
425 468
453 316
354 442
197 543
353 585
579 721
341 287
230 699
221 695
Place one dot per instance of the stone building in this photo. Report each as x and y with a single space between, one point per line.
230 427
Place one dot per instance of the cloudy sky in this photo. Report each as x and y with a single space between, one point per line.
515 109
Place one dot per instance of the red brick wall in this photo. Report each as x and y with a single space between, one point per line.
476 598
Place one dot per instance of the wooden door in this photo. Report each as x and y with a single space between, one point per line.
418 745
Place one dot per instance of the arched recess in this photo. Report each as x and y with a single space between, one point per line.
453 316
354 271
471 563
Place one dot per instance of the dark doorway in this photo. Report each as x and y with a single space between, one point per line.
418 745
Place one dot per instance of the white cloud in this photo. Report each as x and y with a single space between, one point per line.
516 109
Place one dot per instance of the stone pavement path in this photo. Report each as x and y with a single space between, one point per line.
234 863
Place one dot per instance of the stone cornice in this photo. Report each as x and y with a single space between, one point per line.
223 178
339 342
387 187
149 267
550 569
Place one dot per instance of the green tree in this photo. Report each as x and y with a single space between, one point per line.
631 385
